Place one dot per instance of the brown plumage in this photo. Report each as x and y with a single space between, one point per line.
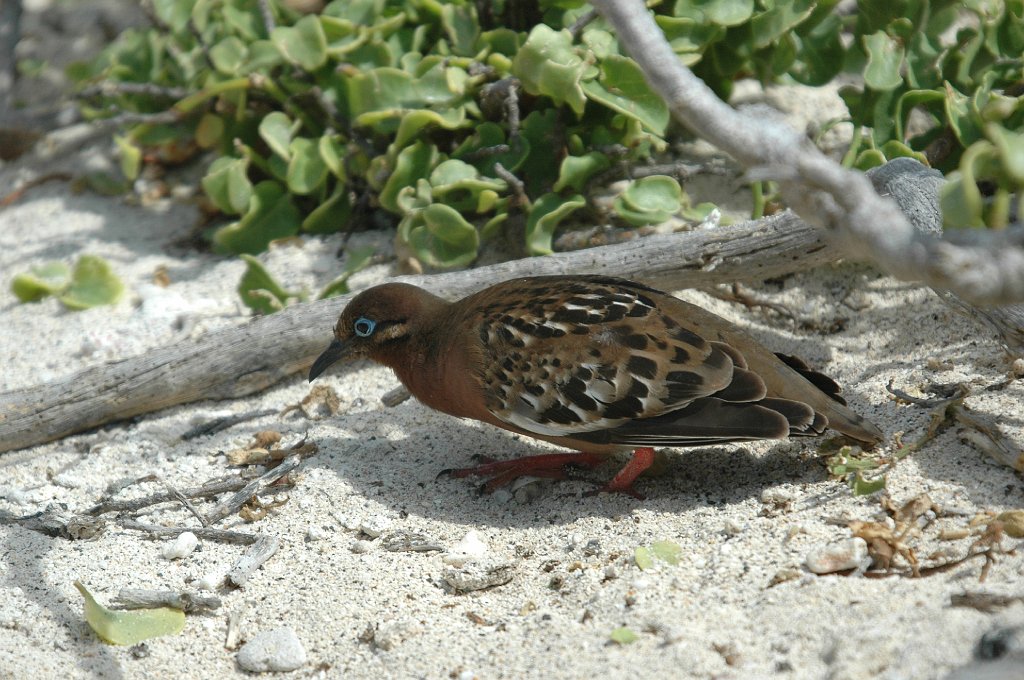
595 364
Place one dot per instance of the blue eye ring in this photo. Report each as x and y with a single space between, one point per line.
364 327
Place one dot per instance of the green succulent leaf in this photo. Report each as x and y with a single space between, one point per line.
307 170
576 171
885 58
130 627
623 636
277 129
303 44
412 163
93 284
271 215
260 292
622 88
131 157
229 55
332 215
227 184
649 200
547 64
41 281
546 214
440 237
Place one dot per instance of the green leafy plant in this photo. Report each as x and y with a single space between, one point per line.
454 126
90 284
379 103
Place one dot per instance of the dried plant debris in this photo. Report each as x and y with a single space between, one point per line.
979 431
186 601
218 424
322 401
130 627
984 602
264 448
896 542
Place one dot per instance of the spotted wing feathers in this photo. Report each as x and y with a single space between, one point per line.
636 376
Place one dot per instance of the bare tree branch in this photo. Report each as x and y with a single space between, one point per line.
820 190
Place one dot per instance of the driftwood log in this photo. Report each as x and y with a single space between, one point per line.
239 361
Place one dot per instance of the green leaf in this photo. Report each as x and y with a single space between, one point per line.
276 129
332 215
355 262
726 12
303 44
306 168
130 627
271 215
49 278
1010 146
209 131
643 558
545 215
260 292
459 185
885 57
667 551
131 157
440 237
227 184
92 284
229 55
333 152
622 88
412 163
623 636
547 64
649 200
576 171
863 486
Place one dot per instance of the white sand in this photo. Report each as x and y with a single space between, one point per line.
713 615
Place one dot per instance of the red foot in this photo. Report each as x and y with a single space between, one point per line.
622 482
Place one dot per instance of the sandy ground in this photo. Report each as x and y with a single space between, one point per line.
742 516
739 604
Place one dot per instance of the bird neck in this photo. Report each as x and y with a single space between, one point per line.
421 358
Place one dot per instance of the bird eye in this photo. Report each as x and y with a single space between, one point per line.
364 327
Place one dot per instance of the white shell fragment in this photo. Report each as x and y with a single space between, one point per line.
375 526
851 553
273 650
181 546
469 549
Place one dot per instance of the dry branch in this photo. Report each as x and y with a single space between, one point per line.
989 269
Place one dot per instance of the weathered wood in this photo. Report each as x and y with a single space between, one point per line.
239 361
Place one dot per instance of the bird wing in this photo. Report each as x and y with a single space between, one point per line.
600 356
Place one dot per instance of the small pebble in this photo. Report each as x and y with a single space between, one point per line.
375 526
732 527
479 575
851 553
276 650
315 533
469 549
181 546
361 546
390 634
212 581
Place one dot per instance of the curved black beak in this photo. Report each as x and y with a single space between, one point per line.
335 351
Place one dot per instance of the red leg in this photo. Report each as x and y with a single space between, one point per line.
622 482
